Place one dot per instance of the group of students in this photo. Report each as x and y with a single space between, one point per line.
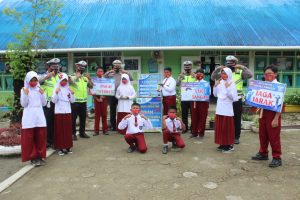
130 122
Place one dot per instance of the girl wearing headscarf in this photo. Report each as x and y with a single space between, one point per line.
63 96
224 89
33 133
125 94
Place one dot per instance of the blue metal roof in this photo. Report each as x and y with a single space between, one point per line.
167 23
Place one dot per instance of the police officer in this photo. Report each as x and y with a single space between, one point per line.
184 77
240 73
80 84
115 73
48 82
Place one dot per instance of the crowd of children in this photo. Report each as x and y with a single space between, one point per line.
132 123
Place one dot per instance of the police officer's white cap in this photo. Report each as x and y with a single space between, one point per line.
187 62
82 63
53 61
231 58
117 62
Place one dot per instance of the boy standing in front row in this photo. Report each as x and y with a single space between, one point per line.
172 128
269 127
136 124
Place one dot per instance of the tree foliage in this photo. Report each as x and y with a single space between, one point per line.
40 27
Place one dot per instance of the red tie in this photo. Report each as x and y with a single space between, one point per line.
174 127
165 81
135 121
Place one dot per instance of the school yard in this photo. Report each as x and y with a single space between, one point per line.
100 168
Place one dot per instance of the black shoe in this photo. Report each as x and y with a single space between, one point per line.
131 149
95 134
174 146
105 133
236 141
193 136
33 162
84 135
276 162
220 148
74 137
165 149
258 156
37 162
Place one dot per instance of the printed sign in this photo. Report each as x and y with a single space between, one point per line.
152 108
195 91
103 86
266 95
148 85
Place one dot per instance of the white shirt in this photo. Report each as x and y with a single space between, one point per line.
226 95
169 124
33 114
124 105
62 106
130 124
169 87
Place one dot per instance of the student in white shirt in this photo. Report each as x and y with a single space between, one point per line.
199 110
168 89
63 96
226 93
33 133
125 95
136 124
172 129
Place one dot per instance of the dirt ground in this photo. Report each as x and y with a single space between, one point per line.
100 168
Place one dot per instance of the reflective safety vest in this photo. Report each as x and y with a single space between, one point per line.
48 86
80 88
189 78
237 78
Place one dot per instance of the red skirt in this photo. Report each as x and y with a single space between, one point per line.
33 143
120 116
63 131
224 130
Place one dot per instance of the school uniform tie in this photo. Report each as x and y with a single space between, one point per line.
174 127
165 81
135 121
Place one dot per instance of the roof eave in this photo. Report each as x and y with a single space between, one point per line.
168 48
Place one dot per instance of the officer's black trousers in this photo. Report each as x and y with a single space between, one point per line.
185 109
237 109
78 109
49 115
113 103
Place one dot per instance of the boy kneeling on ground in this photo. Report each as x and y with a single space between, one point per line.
172 129
136 124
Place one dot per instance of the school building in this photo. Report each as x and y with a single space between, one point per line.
148 35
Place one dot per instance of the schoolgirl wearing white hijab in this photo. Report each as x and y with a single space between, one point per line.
125 95
226 93
33 133
63 96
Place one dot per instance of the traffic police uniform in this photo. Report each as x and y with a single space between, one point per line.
48 86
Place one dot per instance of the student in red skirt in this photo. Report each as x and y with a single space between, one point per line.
269 127
125 95
33 133
172 129
135 124
199 111
168 90
63 96
100 104
226 93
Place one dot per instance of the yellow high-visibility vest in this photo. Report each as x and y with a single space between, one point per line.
49 85
189 78
80 89
237 78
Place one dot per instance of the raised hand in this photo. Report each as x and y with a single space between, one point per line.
41 90
57 90
26 91
227 84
